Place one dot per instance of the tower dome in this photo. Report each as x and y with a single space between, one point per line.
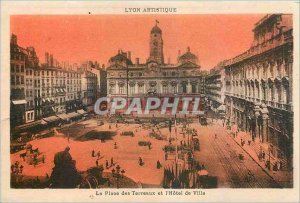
156 30
188 57
121 58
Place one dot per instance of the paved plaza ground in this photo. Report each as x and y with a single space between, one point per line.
219 154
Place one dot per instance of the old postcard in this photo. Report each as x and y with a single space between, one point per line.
149 101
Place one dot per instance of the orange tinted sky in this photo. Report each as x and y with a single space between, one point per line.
98 37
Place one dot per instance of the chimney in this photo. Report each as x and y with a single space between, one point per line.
137 61
129 55
14 39
51 60
47 58
169 60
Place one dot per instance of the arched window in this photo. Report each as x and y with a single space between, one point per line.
165 89
184 88
194 88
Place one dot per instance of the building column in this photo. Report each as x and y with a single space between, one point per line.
258 91
188 87
117 88
231 111
256 113
244 122
136 88
265 118
282 94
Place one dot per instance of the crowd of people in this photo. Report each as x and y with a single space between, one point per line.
17 168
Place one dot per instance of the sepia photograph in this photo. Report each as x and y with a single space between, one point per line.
153 102
140 102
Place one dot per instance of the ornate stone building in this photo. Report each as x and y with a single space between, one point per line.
46 91
155 77
215 88
259 85
17 82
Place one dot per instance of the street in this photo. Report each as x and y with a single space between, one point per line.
219 154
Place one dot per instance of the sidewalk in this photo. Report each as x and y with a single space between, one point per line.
282 177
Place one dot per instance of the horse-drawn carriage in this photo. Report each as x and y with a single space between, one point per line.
92 178
32 156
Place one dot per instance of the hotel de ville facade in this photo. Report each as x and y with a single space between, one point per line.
155 77
259 83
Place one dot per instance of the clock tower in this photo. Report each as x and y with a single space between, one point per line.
156 45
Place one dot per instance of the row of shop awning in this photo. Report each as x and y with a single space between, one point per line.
60 90
220 108
51 119
29 125
63 116
48 99
17 102
81 111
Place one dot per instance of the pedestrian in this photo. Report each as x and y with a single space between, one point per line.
12 168
158 164
106 163
275 166
98 154
97 164
93 153
149 145
263 155
112 161
141 161
118 168
34 160
21 169
43 158
280 165
249 142
260 155
115 145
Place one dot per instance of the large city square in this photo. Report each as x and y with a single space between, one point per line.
155 122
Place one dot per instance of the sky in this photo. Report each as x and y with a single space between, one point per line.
212 38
